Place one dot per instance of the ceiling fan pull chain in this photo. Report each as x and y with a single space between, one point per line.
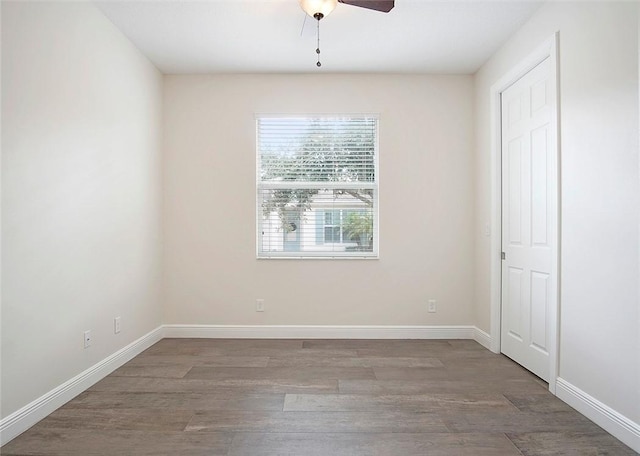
320 8
318 48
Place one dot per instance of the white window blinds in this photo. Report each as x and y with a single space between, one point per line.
317 191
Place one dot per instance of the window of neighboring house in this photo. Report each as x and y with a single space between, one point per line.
333 231
337 224
317 188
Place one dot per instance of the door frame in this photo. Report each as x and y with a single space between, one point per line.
549 49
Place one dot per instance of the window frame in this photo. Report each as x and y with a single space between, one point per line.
374 186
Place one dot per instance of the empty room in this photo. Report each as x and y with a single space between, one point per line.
320 227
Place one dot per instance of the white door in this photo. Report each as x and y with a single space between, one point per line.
529 220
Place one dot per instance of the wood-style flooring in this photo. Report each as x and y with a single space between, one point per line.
317 398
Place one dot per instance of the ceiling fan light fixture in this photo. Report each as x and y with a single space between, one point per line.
318 8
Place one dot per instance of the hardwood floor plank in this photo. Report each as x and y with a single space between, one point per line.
123 419
477 362
210 400
445 373
406 403
442 349
74 442
192 360
278 352
440 352
289 373
204 347
343 361
380 344
514 422
365 444
466 344
161 371
438 386
541 403
231 386
241 421
283 344
569 444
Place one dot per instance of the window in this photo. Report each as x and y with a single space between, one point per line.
317 192
339 226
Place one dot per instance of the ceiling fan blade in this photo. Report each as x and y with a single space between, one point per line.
377 5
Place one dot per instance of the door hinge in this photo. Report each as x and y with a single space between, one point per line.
504 256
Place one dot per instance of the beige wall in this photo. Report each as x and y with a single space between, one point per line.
81 111
426 204
599 303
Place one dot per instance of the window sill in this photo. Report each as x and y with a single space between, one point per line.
323 257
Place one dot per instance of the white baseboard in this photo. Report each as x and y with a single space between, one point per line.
618 425
318 332
482 338
21 420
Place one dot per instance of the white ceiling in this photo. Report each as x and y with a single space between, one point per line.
255 36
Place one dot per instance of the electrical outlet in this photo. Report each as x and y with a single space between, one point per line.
87 339
259 305
116 325
431 306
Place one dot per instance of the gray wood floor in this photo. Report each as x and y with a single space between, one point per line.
317 397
